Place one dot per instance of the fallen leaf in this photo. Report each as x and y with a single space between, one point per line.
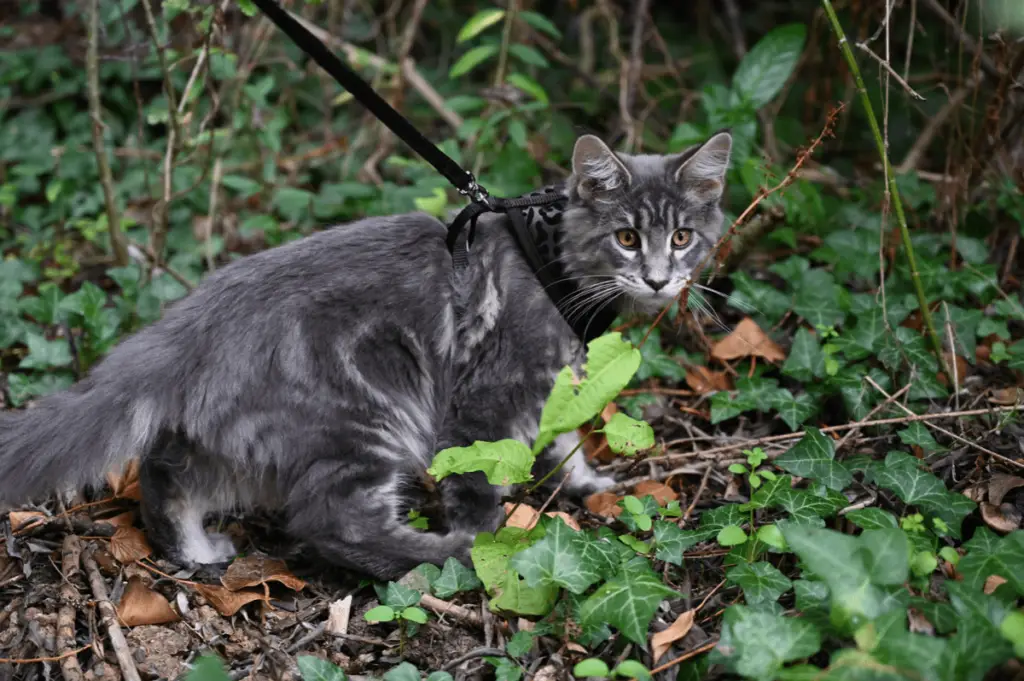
566 518
703 380
747 340
256 570
962 369
994 518
662 493
604 504
125 483
1006 396
610 410
576 648
992 583
129 545
126 519
663 640
23 520
225 601
917 623
525 517
1000 486
141 605
982 352
595 447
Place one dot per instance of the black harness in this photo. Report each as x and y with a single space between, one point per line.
532 218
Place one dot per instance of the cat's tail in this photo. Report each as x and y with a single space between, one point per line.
71 438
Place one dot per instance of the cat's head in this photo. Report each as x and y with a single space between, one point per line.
639 225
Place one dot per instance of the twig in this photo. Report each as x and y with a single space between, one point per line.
935 123
33 660
109 616
700 491
888 67
901 219
877 408
630 73
948 433
473 654
118 243
967 41
686 656
441 608
71 553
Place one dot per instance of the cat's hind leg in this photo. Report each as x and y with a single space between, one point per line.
178 492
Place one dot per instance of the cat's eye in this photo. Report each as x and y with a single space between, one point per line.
681 237
628 238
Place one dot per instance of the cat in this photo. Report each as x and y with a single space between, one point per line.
320 377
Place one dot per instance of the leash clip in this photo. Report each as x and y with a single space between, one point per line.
477 193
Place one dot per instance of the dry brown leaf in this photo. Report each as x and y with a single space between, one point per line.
963 369
610 410
225 601
992 583
703 380
1000 486
23 520
526 517
126 519
566 518
663 640
1006 396
125 483
918 623
747 340
141 605
994 518
129 545
256 570
662 493
604 504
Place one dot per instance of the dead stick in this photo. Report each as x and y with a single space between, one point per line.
109 616
878 407
71 553
33 660
685 656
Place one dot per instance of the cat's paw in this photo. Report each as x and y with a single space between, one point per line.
217 548
584 481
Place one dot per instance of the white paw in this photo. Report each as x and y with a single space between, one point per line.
584 481
209 549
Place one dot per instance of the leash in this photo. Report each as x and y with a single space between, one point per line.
589 326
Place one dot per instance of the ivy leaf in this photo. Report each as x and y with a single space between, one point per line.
872 519
400 596
627 602
670 542
817 299
316 669
973 650
505 462
814 457
761 582
795 410
988 554
491 553
724 406
866 337
807 508
918 434
755 644
557 560
902 474
761 392
45 354
515 595
628 436
455 577
750 295
772 493
769 64
611 363
403 672
806 361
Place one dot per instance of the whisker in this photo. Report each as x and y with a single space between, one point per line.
731 299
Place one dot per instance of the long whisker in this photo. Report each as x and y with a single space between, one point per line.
732 300
597 311
586 303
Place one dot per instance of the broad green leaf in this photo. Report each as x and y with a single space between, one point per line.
760 582
872 519
591 667
988 554
439 676
45 354
529 86
969 602
806 361
611 363
400 596
918 434
540 22
1012 629
814 457
628 436
631 669
670 542
520 643
491 553
794 411
472 59
528 55
316 669
906 654
414 614
903 474
817 299
731 535
505 462
762 392
807 508
973 650
207 668
557 559
769 64
752 296
455 577
478 23
515 595
628 603
755 644
382 613
403 672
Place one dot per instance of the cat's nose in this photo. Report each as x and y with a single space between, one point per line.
656 284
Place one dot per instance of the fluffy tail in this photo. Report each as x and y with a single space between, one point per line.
70 439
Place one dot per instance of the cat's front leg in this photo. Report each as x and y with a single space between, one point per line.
581 480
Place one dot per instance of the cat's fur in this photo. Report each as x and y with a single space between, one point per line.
321 377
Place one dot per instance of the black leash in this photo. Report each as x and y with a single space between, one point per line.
589 326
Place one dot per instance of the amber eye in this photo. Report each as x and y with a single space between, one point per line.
681 237
628 238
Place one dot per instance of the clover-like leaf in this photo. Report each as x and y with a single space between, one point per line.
627 435
760 582
756 644
455 577
505 462
627 602
814 457
558 559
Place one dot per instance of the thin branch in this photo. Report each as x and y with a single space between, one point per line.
118 243
888 67
967 41
630 73
109 617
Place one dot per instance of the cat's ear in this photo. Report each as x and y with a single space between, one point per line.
702 174
597 171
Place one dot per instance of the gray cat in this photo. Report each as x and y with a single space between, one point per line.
319 378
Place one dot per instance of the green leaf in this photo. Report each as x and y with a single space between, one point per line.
557 560
455 577
403 672
631 669
247 7
751 295
207 668
400 596
1012 629
814 457
806 361
902 474
731 535
591 667
520 643
472 59
628 436
769 63
611 363
515 595
491 553
505 462
988 554
529 86
382 613
478 23
414 614
45 354
772 536
627 602
528 55
761 582
439 676
755 644
918 434
973 650
794 411
540 22
315 669
670 542
817 299
872 519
